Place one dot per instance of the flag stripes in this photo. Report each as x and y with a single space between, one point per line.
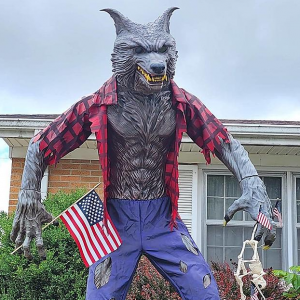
94 241
254 292
264 221
277 213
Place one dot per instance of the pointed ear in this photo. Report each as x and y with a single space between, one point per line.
164 20
121 23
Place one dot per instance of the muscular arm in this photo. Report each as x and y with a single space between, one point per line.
30 213
63 135
209 134
254 197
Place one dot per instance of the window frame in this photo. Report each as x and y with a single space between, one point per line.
295 223
206 222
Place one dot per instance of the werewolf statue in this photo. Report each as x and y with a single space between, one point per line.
139 116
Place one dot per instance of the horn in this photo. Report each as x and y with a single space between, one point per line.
164 20
121 22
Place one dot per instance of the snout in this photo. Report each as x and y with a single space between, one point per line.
158 68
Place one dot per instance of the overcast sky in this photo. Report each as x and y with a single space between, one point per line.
241 58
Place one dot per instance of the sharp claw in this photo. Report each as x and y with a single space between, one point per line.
27 253
42 252
226 220
55 223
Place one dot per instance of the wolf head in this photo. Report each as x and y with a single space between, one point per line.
144 56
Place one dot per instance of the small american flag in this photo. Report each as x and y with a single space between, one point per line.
254 292
277 213
84 220
264 221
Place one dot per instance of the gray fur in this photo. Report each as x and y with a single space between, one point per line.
31 213
254 195
151 37
140 132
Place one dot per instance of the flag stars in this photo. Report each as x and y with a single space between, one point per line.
92 208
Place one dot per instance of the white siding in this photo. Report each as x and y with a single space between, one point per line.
187 204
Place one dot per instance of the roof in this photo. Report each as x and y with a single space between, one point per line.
258 136
225 121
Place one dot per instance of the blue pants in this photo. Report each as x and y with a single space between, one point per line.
144 228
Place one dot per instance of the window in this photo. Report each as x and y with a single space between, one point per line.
224 243
298 216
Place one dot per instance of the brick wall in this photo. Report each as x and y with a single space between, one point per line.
67 176
17 166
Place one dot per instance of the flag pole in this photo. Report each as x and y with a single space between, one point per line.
61 214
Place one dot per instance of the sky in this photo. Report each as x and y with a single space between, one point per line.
241 58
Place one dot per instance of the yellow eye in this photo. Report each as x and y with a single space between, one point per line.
163 49
139 50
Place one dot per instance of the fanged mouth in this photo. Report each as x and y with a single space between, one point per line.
152 79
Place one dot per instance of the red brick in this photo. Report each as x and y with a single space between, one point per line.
15 176
14 189
11 210
81 172
13 196
67 166
67 176
54 178
71 178
76 185
13 202
18 170
90 179
59 184
18 162
94 167
80 161
60 172
96 173
53 190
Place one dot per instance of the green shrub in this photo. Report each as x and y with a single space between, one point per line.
61 276
292 280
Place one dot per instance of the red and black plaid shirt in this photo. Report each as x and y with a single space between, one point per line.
88 115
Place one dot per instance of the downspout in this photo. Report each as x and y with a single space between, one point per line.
44 185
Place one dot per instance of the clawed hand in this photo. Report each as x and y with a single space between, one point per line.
254 200
29 218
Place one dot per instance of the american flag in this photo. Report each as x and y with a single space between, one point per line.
84 220
277 213
261 218
254 292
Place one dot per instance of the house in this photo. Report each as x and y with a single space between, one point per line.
206 191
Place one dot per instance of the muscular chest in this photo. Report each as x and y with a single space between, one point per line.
146 119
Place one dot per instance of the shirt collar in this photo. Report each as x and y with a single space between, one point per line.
110 92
